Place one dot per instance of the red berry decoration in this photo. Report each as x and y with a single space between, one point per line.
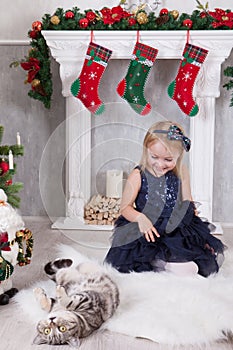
83 22
9 182
4 167
37 26
132 21
163 12
188 23
69 15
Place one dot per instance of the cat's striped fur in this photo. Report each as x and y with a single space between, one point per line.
85 298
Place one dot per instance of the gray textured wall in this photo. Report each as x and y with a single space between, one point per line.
18 112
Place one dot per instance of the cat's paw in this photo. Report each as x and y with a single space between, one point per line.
38 292
60 292
61 295
42 298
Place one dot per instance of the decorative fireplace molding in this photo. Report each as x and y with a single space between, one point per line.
69 48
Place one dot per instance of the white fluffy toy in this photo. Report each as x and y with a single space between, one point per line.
13 237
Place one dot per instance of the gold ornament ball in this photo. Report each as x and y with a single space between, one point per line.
142 18
55 20
35 83
175 14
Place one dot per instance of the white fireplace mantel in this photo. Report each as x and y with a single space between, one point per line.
69 48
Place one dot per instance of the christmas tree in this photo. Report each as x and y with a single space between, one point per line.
8 170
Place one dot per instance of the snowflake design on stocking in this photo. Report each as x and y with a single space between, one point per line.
187 76
92 75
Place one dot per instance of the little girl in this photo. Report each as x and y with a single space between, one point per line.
159 229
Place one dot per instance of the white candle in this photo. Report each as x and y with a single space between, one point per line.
114 183
18 142
11 160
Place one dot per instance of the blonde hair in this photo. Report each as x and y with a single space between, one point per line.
171 145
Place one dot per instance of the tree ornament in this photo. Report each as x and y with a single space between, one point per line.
27 237
85 88
4 167
36 86
174 13
181 88
83 22
142 18
187 23
163 12
35 83
9 182
69 15
37 26
131 88
55 20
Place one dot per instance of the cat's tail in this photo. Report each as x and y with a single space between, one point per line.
53 266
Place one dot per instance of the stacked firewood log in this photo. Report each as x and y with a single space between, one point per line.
102 210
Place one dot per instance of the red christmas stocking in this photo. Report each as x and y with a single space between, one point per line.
181 88
85 88
131 88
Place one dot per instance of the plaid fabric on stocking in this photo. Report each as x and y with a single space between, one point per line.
131 88
181 88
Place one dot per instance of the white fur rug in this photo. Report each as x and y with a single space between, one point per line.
160 306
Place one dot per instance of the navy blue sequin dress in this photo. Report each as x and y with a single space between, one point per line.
183 235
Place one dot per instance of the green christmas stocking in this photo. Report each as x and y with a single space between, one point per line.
85 88
181 88
131 88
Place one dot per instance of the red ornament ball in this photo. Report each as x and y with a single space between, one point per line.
83 22
37 26
132 21
91 16
4 167
33 34
69 15
188 23
163 12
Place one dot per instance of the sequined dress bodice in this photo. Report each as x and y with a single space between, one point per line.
161 191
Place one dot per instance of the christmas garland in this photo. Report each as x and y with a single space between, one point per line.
116 18
6 268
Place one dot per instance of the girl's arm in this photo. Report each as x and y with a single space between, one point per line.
185 181
127 209
185 187
130 193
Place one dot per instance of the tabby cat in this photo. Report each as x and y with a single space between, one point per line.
85 298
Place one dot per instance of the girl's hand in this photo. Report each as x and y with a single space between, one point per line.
147 228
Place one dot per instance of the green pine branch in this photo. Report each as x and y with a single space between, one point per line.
17 150
228 72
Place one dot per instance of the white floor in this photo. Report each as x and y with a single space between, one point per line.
16 333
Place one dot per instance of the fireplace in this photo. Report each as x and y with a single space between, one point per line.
69 48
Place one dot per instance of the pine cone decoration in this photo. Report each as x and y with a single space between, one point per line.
162 20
